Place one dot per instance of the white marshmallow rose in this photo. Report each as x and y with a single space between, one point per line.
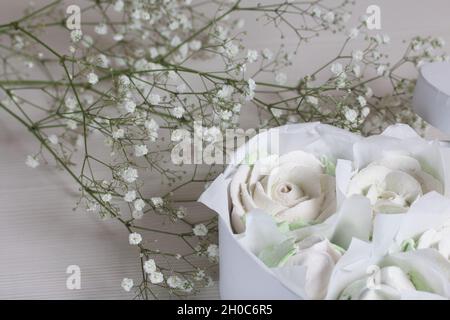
318 256
385 284
293 188
393 183
436 239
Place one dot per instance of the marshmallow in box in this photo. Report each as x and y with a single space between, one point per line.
242 274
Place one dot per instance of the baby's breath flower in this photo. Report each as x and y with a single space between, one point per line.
195 45
381 70
130 175
280 78
350 114
32 162
174 282
134 238
178 112
181 213
106 197
353 33
118 5
156 277
252 55
199 275
357 55
53 138
158 202
231 49
71 124
152 129
154 99
175 41
337 68
212 252
92 78
70 103
139 204
225 92
140 150
267 54
129 106
237 107
76 35
102 61
118 37
93 207
362 101
313 100
178 135
101 29
250 91
118 134
127 284
87 41
317 12
369 92
365 111
329 17
277 113
200 230
226 115
150 266
356 70
123 82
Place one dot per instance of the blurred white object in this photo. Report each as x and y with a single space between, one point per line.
432 95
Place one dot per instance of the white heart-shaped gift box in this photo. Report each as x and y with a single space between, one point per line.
432 95
242 274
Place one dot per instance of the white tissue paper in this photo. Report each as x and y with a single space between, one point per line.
244 276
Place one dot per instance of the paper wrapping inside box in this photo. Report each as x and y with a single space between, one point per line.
242 274
432 95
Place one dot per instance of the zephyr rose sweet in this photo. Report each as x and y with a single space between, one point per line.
386 283
438 239
393 183
318 256
426 225
294 187
308 262
366 271
395 169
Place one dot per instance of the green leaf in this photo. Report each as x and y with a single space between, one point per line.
283 227
419 282
408 245
329 165
338 248
300 223
276 255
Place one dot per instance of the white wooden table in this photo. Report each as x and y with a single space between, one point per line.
40 234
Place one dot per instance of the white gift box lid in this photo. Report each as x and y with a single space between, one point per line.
432 95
